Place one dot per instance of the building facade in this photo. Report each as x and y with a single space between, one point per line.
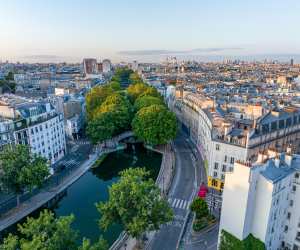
268 200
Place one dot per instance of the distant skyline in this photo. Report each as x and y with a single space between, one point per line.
66 30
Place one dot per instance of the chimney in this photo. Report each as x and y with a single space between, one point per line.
288 159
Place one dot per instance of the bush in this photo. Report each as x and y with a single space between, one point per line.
199 206
199 224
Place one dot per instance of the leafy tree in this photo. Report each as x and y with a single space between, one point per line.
155 125
21 170
44 233
135 203
101 128
49 233
146 101
113 116
96 97
115 86
135 90
199 206
135 78
228 241
151 91
101 244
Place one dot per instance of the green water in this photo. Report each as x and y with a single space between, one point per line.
93 187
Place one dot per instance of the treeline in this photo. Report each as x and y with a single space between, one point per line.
112 110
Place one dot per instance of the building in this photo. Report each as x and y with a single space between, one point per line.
228 132
6 132
262 199
37 124
90 66
106 66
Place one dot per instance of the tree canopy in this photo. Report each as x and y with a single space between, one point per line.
49 233
155 125
135 203
21 170
228 241
146 101
199 206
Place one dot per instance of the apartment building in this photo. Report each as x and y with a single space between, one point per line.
37 124
226 132
268 193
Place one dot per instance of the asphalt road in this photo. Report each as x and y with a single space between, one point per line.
180 196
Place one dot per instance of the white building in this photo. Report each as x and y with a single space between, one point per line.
36 124
223 136
106 66
263 199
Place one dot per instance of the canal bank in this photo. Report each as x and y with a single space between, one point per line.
93 185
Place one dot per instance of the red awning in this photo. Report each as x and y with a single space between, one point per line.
202 191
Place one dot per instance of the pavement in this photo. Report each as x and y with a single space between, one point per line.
184 186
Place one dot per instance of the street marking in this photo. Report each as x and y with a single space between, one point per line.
178 203
175 200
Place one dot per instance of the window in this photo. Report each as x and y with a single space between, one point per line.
32 131
294 188
286 228
224 168
218 147
222 177
225 158
297 175
216 165
289 122
281 124
273 126
288 215
215 174
231 160
291 203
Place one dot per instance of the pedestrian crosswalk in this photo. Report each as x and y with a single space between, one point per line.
179 203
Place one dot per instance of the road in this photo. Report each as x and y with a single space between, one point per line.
185 182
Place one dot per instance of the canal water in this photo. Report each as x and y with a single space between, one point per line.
93 187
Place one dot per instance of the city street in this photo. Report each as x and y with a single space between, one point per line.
185 184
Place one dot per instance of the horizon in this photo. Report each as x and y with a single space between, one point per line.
60 31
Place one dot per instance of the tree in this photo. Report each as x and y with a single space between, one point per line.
101 244
45 232
135 203
21 170
146 101
135 90
49 233
155 125
95 98
115 86
228 241
135 78
199 206
101 128
151 91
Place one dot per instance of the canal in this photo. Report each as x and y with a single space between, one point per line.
93 187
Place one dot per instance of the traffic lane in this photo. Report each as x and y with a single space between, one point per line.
167 237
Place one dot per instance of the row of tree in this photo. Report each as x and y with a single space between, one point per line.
112 110
134 202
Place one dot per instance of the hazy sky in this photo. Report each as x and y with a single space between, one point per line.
73 29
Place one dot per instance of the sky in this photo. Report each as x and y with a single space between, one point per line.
69 30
